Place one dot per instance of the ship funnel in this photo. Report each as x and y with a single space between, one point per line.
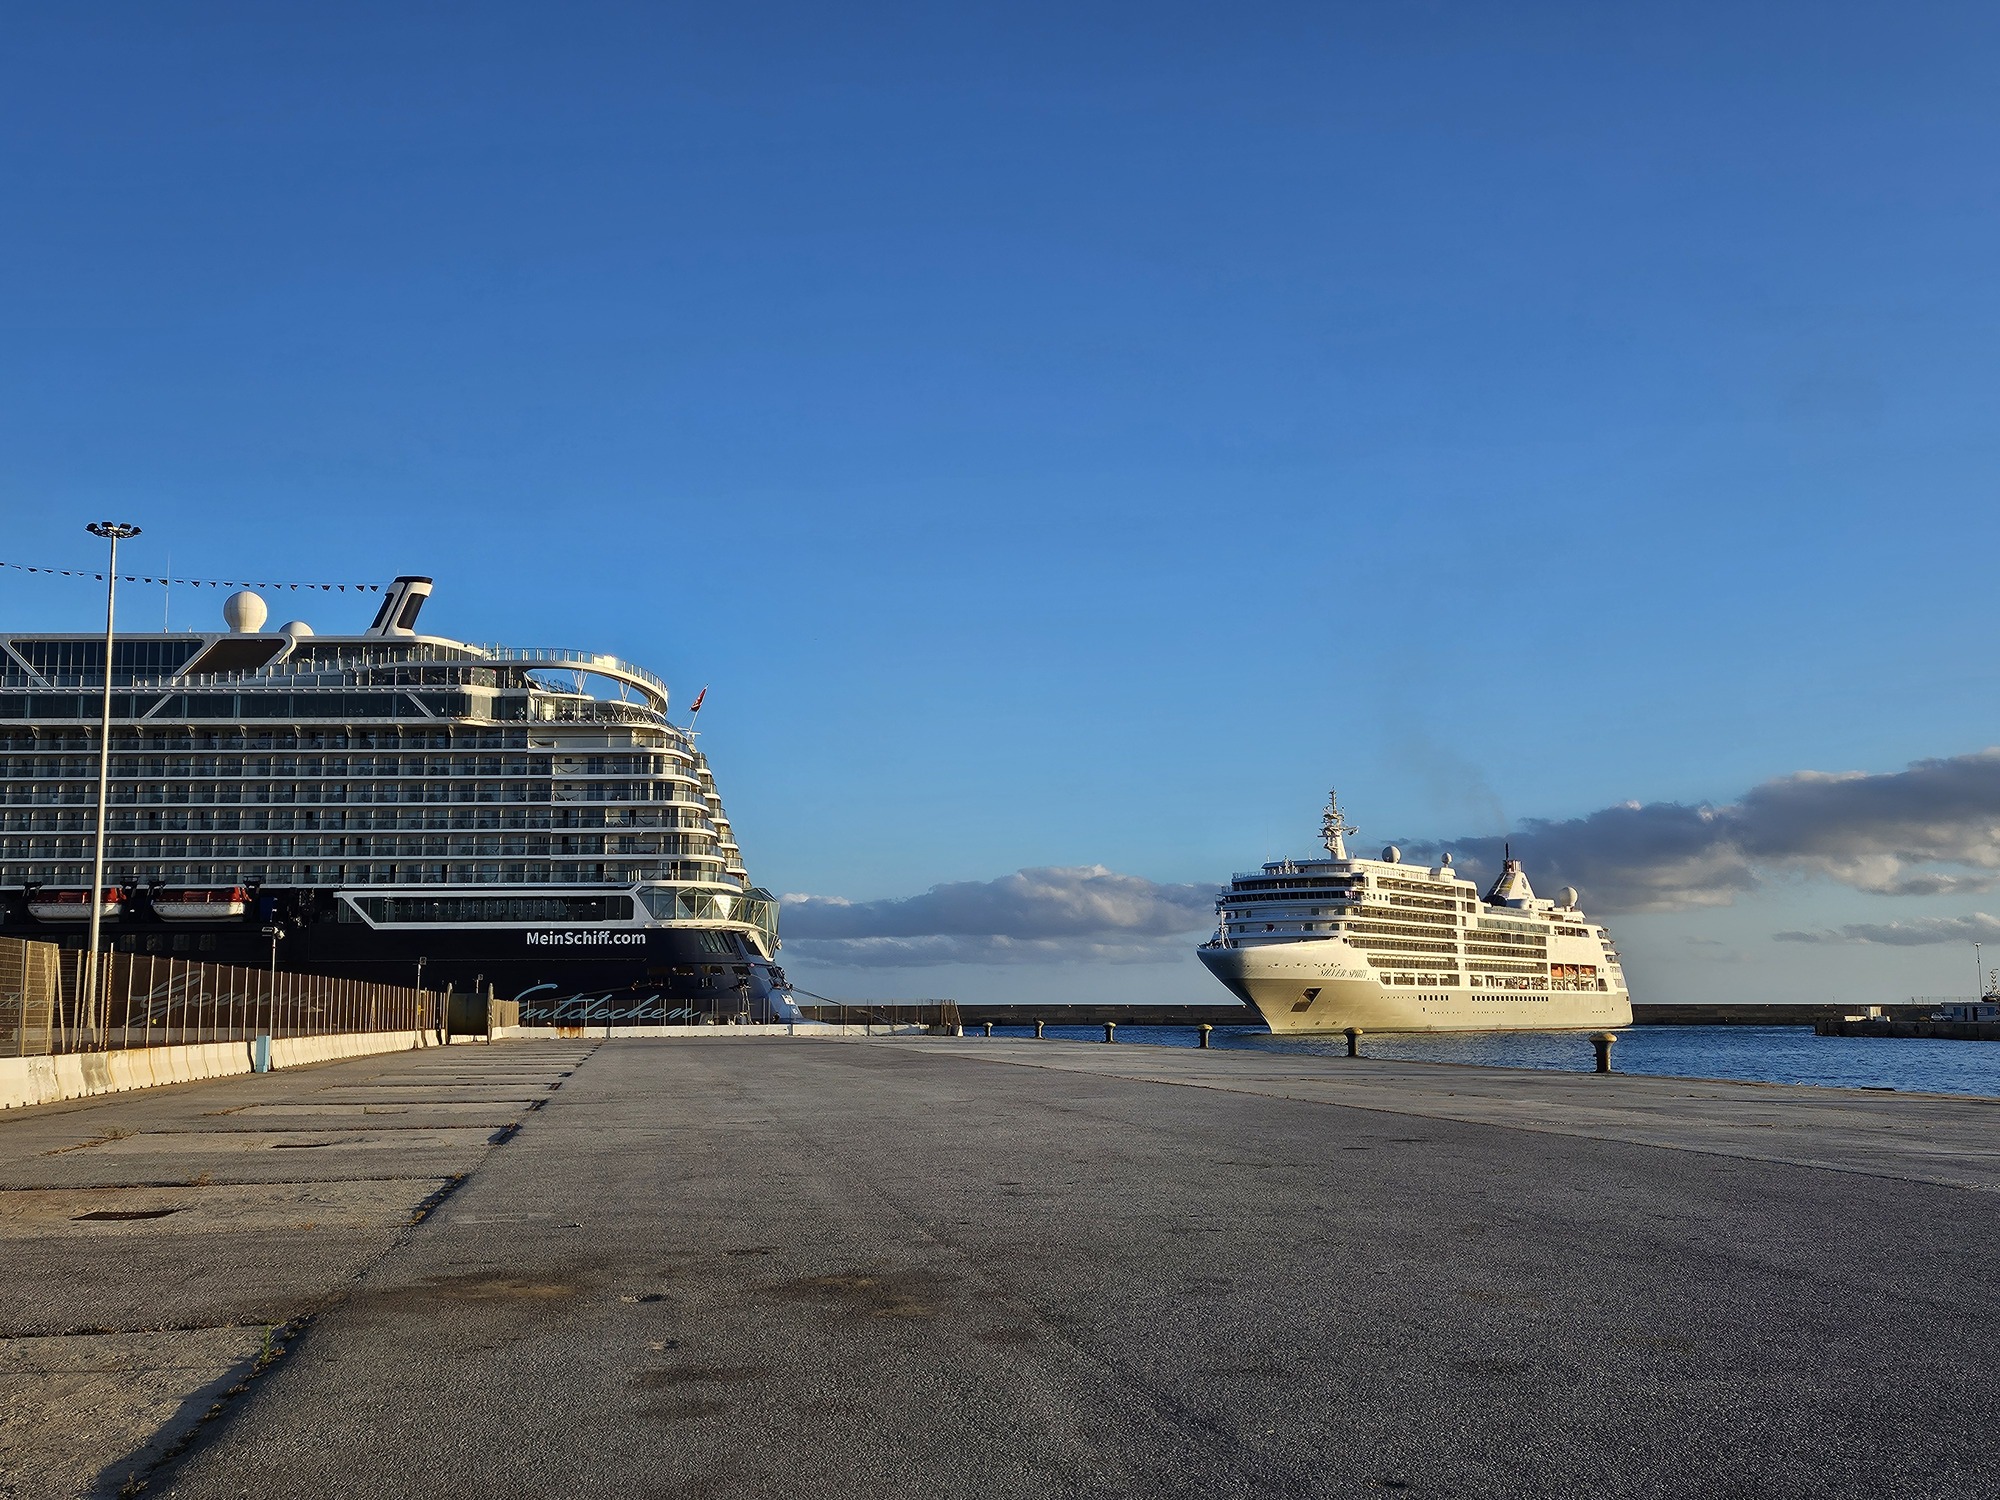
400 603
1512 888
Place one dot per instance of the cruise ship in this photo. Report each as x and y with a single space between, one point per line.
389 806
1322 945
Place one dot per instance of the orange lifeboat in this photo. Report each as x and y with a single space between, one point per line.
200 903
48 905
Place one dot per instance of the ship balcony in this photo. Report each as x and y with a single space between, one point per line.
548 710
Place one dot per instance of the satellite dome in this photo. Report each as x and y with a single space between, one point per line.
295 627
1444 859
245 612
1393 855
1566 896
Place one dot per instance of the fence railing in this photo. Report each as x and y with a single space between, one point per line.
28 984
146 1000
932 1015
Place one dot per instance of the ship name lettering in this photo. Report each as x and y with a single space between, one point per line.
584 939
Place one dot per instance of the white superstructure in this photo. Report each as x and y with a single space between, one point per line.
1325 944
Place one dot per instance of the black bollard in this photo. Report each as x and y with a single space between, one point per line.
1354 1041
1038 1031
1205 1030
1110 1031
989 1028
1602 1042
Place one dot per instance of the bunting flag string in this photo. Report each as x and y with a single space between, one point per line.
201 583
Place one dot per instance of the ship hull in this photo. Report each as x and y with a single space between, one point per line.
1322 987
626 976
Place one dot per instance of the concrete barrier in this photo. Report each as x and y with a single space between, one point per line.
78 1075
802 1029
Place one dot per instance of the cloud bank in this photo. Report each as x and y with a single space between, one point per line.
1056 914
1932 829
1976 928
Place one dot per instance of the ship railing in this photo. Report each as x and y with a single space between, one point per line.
1303 867
343 674
582 661
596 711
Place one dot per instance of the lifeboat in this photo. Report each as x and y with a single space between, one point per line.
47 905
201 903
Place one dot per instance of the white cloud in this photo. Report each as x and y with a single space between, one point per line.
1932 829
1058 914
1976 928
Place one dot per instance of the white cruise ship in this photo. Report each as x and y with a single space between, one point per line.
1321 945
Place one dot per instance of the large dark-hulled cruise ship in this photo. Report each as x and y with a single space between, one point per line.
357 805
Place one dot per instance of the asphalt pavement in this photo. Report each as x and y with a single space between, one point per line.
161 1247
985 1268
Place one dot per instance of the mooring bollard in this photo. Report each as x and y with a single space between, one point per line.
1602 1042
1354 1041
1110 1031
1205 1030
989 1028
1038 1031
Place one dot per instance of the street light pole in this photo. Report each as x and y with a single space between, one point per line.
113 532
1978 976
271 986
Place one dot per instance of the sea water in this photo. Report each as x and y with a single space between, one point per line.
1758 1054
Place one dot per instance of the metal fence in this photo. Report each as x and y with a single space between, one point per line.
933 1015
28 987
148 1001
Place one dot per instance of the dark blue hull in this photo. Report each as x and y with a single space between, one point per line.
623 976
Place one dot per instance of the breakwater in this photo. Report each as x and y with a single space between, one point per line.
976 1013
1909 1028
1761 1013
1229 1013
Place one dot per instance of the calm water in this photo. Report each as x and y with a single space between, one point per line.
1762 1054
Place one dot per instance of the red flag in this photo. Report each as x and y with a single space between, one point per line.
695 708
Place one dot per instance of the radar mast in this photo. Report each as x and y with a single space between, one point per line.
1333 828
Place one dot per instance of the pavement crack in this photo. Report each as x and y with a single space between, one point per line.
278 1341
445 1189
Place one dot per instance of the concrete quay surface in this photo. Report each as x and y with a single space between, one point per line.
158 1245
983 1267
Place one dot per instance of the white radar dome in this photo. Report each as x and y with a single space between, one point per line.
1444 859
245 612
295 627
1393 855
1566 896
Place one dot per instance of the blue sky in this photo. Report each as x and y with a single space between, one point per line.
1075 436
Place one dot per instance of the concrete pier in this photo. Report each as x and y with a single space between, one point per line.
999 1268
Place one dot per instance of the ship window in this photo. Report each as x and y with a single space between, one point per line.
452 909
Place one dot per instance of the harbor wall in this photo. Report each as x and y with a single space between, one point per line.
80 1075
1910 1028
975 1013
1764 1013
